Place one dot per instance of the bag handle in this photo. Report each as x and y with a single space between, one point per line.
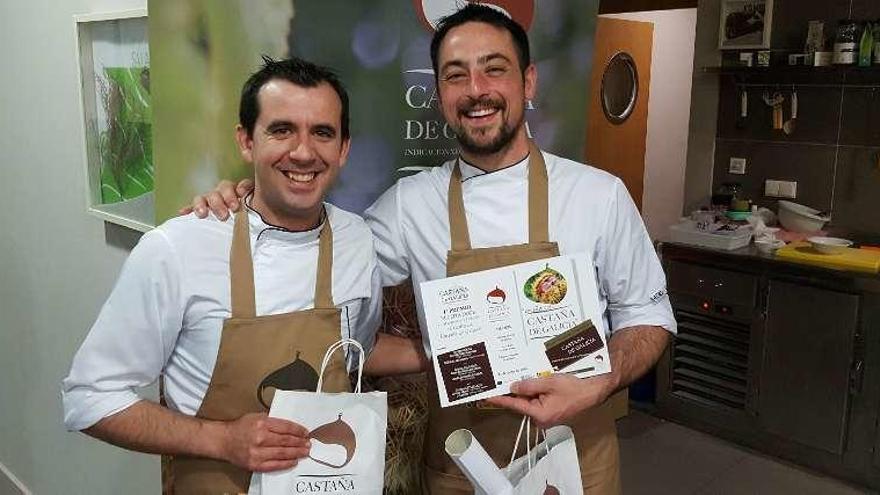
333 348
527 425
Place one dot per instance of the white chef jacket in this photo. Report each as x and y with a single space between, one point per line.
590 211
166 312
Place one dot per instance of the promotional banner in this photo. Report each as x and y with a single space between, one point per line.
203 50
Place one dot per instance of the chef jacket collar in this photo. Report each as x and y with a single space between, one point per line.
265 230
518 170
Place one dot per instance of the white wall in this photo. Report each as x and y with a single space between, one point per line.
57 264
668 115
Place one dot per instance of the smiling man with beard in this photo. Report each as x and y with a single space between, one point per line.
218 308
504 201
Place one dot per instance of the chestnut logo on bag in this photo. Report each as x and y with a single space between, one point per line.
551 490
431 11
296 375
328 442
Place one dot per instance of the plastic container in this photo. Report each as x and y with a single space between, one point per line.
686 234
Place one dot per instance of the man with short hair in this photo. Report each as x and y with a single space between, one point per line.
229 311
509 202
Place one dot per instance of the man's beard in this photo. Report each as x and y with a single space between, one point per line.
505 134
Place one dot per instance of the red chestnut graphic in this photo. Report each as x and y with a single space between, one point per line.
337 433
496 296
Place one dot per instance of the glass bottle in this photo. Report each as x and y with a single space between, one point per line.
866 44
877 42
845 42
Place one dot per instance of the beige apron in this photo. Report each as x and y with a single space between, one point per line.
259 354
594 430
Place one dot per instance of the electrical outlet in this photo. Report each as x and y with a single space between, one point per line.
737 166
788 189
780 189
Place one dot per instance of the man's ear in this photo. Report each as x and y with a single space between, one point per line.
343 155
530 81
245 143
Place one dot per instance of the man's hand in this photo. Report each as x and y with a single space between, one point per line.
222 200
259 443
554 400
254 441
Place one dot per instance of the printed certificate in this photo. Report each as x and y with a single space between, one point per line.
491 328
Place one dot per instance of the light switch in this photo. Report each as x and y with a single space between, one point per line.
771 188
787 189
737 166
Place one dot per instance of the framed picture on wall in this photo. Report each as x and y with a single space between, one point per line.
114 78
745 24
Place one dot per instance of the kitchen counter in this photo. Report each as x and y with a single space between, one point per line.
750 259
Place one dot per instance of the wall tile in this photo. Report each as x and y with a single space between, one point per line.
818 114
812 166
791 18
865 9
835 148
861 116
857 190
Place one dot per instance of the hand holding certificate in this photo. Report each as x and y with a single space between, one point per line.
491 328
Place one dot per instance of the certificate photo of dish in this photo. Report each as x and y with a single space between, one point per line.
491 328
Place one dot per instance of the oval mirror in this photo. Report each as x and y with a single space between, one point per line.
620 88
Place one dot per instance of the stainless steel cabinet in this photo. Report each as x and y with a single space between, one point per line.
782 358
808 357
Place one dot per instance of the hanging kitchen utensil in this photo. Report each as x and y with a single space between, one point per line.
776 102
788 127
743 109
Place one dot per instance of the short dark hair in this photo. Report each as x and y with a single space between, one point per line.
296 70
475 12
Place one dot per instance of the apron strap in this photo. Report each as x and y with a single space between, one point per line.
539 230
324 279
458 229
241 267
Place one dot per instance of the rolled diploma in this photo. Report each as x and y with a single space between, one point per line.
475 463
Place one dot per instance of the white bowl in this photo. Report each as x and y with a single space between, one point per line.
768 246
829 245
800 218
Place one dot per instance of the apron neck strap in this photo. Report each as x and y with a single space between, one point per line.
538 209
539 229
324 280
241 268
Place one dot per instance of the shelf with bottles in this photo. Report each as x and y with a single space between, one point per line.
801 75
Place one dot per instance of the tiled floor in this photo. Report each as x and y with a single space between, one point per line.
659 457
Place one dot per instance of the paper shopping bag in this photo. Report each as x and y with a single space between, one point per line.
347 432
549 468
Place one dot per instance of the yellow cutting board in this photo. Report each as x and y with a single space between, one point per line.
862 260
